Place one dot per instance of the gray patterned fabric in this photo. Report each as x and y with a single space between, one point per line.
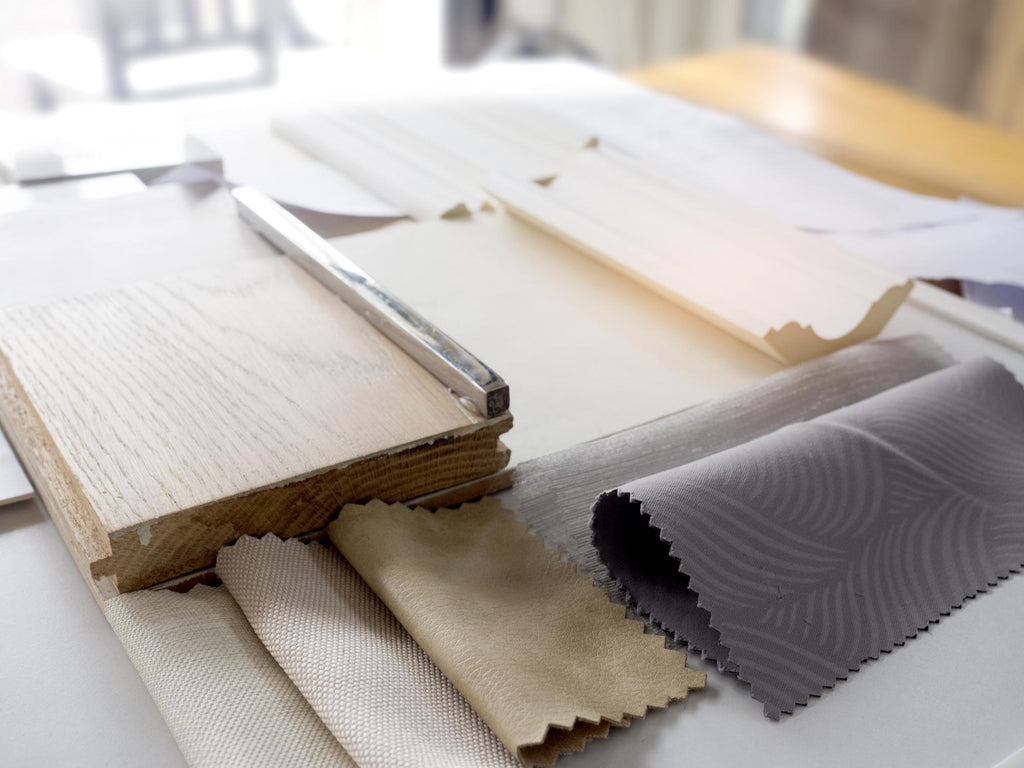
795 557
555 493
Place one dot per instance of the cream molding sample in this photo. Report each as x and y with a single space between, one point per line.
430 158
787 293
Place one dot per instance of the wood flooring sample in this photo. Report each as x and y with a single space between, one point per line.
162 420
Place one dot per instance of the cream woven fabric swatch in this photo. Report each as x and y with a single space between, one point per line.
539 651
374 688
227 702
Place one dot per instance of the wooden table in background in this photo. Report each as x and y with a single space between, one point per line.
858 123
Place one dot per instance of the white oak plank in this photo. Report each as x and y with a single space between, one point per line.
162 419
63 249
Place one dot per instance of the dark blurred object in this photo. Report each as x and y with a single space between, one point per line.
483 29
1008 298
965 54
143 30
932 48
470 28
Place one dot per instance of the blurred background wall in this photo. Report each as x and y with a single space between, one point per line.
965 54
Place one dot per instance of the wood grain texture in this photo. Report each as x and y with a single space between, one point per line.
162 420
864 125
98 244
471 490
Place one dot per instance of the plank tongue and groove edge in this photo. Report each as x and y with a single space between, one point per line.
162 420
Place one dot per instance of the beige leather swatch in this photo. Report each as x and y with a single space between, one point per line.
542 654
227 702
373 687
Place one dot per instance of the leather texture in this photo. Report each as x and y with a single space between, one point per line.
226 701
367 679
542 654
795 557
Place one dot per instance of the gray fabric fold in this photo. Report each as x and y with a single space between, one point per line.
795 557
555 493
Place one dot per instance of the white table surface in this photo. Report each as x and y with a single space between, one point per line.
70 697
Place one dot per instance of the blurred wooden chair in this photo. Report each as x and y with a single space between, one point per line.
143 49
139 33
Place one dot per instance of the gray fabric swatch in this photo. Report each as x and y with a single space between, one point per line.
797 556
555 493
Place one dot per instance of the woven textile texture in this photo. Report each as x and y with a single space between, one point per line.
368 680
793 558
539 651
227 702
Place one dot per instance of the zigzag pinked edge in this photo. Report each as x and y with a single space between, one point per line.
891 644
695 680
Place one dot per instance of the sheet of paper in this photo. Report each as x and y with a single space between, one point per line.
931 237
913 234
720 152
235 126
988 247
254 156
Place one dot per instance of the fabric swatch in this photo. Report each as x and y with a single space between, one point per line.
542 655
795 557
227 702
555 493
373 687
